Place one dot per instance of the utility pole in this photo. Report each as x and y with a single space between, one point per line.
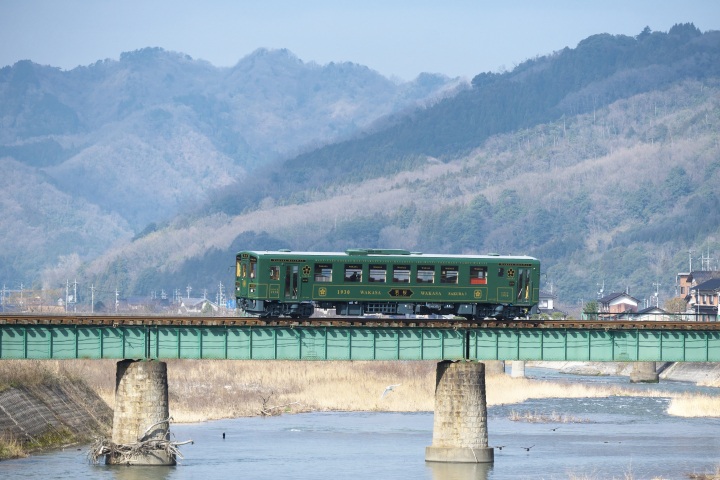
92 298
117 300
705 260
189 289
657 301
690 258
67 293
221 294
75 295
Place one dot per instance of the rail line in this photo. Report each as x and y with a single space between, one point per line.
374 322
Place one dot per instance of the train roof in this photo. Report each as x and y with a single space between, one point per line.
383 253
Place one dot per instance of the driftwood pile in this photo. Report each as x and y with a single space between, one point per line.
144 446
267 411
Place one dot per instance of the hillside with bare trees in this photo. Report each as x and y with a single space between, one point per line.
625 218
96 155
601 161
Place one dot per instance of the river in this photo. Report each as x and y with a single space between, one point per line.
613 437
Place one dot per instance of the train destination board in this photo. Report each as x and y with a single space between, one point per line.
401 292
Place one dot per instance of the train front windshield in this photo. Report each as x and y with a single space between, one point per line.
246 266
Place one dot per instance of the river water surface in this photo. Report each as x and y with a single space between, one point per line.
613 437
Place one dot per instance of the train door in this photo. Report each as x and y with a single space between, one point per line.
274 284
241 276
292 283
524 285
253 268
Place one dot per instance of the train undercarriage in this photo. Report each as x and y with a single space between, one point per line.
470 311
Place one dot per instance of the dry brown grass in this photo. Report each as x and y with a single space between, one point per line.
210 389
694 406
217 389
25 372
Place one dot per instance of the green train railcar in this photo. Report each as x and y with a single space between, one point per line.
391 282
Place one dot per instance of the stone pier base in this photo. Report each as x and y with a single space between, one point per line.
460 419
518 369
141 412
644 372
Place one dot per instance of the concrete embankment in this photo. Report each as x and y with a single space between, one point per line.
52 415
703 373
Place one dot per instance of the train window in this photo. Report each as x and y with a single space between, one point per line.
353 272
253 264
501 272
243 271
426 274
401 274
449 274
478 275
378 273
323 272
238 269
274 273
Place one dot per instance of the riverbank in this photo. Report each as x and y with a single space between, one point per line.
42 406
201 390
705 374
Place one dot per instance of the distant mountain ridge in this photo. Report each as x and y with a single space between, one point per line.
600 70
129 115
600 160
139 140
609 189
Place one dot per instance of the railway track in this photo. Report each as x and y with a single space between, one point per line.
352 322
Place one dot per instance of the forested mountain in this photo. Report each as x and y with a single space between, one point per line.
601 160
600 70
94 155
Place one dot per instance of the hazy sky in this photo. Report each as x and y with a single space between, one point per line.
399 38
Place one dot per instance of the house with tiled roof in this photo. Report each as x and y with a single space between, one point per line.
546 305
686 280
618 303
194 306
653 314
703 300
547 302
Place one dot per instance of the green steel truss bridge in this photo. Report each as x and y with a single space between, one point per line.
119 337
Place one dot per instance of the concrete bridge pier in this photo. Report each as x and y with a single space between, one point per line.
460 419
141 415
644 372
518 369
494 367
